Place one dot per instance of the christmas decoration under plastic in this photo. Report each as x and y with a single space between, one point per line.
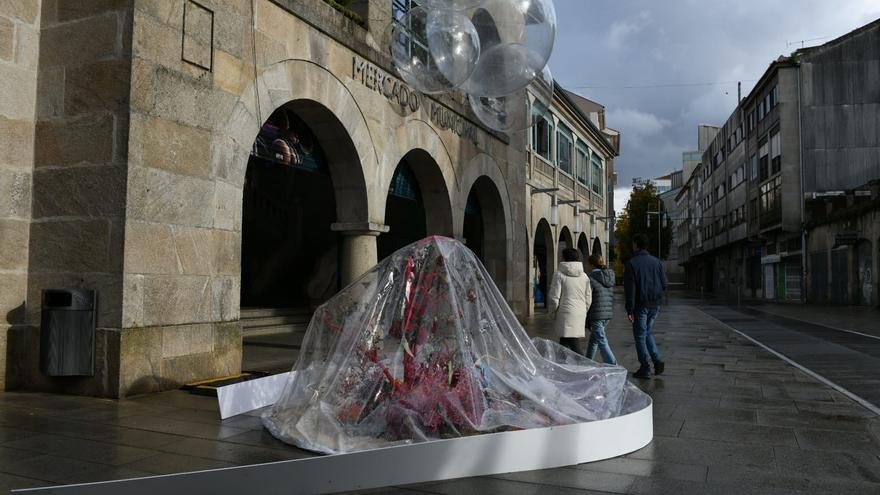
424 347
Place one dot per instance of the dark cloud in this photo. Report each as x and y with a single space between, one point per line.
608 44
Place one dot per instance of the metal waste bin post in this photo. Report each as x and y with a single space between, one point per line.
67 332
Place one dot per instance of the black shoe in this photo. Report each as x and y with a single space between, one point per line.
642 373
659 366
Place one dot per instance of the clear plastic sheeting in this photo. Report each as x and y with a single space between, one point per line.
424 347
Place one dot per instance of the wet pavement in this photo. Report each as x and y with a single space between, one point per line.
849 360
730 417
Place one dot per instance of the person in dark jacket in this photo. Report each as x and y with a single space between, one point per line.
601 310
644 282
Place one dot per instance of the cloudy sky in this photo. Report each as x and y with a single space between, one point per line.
679 47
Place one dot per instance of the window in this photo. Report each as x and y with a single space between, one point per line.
764 160
774 96
771 201
736 178
754 162
598 181
760 110
775 158
407 37
720 192
754 209
541 133
563 150
583 165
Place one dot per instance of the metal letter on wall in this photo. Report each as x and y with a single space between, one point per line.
197 46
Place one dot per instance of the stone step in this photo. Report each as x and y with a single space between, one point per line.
274 321
280 329
248 313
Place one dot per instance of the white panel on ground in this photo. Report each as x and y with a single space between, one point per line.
251 395
478 455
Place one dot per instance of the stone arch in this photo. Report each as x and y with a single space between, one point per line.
492 247
418 141
426 211
583 246
484 169
316 94
544 258
565 241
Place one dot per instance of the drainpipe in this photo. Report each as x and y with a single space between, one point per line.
801 199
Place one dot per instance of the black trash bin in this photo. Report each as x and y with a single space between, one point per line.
67 332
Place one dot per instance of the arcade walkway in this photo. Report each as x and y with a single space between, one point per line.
729 418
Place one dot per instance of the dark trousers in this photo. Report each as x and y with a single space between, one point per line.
572 343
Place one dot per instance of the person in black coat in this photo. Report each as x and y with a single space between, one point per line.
644 282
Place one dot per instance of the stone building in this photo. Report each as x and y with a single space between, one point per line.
784 203
570 179
189 158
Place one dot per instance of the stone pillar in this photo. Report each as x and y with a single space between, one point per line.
359 252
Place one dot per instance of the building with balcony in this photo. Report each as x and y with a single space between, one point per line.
216 168
570 183
783 205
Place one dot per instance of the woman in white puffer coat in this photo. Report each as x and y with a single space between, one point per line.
570 297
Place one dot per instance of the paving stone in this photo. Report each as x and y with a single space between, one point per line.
811 420
258 438
165 463
844 441
667 427
8 434
575 478
63 470
481 486
231 452
738 433
771 480
704 452
847 408
842 465
687 412
77 448
647 468
11 482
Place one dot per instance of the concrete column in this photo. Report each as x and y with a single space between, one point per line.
359 252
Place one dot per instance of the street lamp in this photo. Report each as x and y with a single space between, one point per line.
554 210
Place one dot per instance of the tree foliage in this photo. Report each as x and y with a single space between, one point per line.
634 219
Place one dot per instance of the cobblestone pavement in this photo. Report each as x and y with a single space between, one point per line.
729 418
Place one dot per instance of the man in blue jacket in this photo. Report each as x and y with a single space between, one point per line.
644 282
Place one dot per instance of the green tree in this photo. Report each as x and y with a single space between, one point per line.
634 219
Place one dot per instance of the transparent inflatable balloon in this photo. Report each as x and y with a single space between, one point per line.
434 51
516 40
512 113
450 4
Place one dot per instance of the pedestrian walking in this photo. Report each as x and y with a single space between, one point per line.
570 297
601 310
644 282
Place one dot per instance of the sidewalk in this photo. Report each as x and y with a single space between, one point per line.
862 319
729 418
